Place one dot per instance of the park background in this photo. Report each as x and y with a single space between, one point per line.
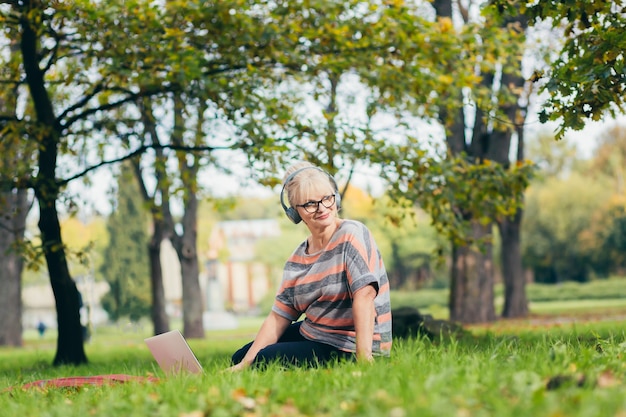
484 218
242 247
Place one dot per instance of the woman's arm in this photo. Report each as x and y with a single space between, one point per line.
271 330
364 313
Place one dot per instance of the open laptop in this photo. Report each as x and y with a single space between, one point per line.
172 353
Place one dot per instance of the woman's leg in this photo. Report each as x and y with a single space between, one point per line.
301 353
293 349
292 334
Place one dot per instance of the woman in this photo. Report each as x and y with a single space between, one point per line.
335 278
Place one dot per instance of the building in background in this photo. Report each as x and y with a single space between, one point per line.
232 281
231 263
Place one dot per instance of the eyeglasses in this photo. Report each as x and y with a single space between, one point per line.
313 206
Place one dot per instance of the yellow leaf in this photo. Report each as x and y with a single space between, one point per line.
445 79
445 23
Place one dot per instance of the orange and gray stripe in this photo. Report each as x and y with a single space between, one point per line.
320 287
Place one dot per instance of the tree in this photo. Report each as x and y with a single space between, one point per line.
69 108
222 90
244 86
469 185
126 269
14 207
493 129
583 239
587 79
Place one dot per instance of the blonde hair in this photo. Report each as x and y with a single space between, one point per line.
308 179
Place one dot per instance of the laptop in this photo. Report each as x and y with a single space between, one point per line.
172 353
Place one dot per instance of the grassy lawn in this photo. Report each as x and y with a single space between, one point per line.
510 368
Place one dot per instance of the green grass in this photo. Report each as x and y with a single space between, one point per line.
599 297
616 306
508 369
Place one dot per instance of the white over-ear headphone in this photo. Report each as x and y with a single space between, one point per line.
292 212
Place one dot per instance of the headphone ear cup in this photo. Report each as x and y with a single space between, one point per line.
338 201
293 215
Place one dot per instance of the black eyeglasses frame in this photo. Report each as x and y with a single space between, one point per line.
326 201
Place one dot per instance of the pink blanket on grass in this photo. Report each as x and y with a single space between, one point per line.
78 381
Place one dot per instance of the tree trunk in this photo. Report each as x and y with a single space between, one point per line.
14 208
70 349
186 244
472 282
161 220
515 301
186 247
471 273
160 320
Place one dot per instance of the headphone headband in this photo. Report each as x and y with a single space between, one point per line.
291 212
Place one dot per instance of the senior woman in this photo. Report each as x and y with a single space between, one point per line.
335 279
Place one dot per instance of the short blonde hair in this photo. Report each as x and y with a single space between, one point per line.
306 179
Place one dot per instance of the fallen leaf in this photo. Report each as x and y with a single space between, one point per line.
606 379
195 413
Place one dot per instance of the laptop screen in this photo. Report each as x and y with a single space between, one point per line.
172 353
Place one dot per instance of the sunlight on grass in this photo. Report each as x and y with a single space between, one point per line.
580 306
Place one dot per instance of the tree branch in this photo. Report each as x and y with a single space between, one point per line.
138 152
83 101
131 97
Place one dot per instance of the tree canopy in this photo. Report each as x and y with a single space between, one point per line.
174 82
587 78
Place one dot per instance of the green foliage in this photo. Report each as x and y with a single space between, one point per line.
126 267
574 228
586 80
557 212
605 238
454 190
609 157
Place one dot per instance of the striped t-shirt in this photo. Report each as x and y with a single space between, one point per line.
321 285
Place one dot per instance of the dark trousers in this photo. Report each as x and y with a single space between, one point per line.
293 349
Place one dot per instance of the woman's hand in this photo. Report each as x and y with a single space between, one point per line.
236 368
272 328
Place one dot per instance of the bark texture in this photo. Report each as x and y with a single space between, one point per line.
14 207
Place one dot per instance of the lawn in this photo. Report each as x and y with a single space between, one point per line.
510 368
